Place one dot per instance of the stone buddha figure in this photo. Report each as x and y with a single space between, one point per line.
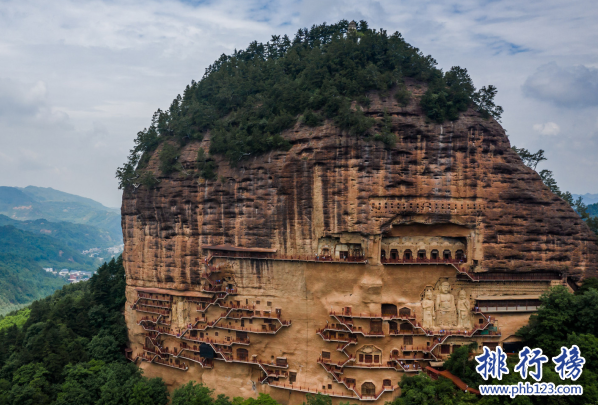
428 310
463 311
445 306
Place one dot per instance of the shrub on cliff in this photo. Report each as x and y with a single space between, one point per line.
248 98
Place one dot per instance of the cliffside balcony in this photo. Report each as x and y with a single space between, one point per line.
155 320
207 340
151 310
416 260
179 366
219 289
535 276
154 304
205 363
338 364
403 332
348 313
272 329
154 297
300 388
235 252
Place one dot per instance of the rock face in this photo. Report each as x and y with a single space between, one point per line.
446 230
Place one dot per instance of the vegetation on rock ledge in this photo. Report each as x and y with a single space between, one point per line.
248 98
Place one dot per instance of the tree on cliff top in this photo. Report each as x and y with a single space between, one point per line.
532 160
248 98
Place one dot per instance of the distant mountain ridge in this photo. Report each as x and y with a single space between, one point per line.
42 227
588 198
31 203
75 236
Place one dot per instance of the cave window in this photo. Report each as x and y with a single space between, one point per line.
357 251
393 327
389 310
407 340
406 327
407 255
325 252
421 254
445 349
376 326
292 377
343 254
395 353
386 383
325 355
242 354
434 254
368 358
459 254
446 255
368 389
394 254
404 311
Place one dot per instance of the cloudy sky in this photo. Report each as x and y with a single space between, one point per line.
78 79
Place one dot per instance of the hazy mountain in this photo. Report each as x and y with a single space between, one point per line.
42 227
32 203
587 198
76 236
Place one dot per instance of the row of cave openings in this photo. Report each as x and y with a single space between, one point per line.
422 255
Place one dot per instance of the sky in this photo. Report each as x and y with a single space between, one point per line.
79 79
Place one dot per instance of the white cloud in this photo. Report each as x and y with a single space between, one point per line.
549 129
571 86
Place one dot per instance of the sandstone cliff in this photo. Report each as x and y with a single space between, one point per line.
462 172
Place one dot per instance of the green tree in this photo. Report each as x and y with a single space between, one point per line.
192 394
247 100
149 392
421 390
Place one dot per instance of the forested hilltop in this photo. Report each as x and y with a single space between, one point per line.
69 349
245 100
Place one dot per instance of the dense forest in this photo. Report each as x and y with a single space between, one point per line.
245 100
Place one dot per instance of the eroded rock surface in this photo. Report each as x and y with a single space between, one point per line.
456 188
